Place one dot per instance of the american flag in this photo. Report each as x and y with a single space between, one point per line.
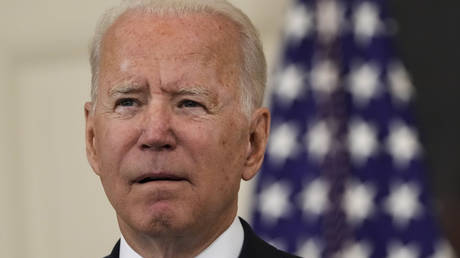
343 175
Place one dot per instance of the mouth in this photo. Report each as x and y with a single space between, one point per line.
162 177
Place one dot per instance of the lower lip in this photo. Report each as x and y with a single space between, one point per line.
159 191
162 182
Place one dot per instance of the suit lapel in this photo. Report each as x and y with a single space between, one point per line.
115 251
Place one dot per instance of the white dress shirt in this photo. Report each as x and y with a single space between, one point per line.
227 245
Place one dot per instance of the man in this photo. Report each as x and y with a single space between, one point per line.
175 122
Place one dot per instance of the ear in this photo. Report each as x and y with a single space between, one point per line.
258 138
90 137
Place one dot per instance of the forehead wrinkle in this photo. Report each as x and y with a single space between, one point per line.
220 49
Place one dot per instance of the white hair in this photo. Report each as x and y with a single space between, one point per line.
253 71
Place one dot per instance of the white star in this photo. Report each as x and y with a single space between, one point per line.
318 140
358 202
364 83
356 250
290 84
401 87
366 22
274 202
403 204
443 250
362 141
283 143
299 23
314 198
402 144
324 76
311 249
396 250
329 19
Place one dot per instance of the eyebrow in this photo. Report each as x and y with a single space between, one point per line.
126 89
193 91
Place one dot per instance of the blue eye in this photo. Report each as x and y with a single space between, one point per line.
189 104
126 102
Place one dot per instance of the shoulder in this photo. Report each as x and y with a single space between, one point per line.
254 246
115 251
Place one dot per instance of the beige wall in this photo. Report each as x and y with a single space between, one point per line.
51 204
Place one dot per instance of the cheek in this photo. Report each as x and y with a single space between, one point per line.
221 151
118 137
113 143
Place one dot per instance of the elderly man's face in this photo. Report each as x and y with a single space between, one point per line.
168 137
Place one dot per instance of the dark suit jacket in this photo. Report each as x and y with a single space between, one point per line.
253 247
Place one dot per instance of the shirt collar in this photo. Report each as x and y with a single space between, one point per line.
227 245
126 251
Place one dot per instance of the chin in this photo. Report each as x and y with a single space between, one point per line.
164 222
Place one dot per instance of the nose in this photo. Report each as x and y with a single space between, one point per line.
157 131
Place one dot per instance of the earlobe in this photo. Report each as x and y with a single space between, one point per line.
258 138
90 137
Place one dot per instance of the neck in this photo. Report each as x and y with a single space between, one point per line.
182 244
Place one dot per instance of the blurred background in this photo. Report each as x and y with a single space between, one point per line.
52 204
